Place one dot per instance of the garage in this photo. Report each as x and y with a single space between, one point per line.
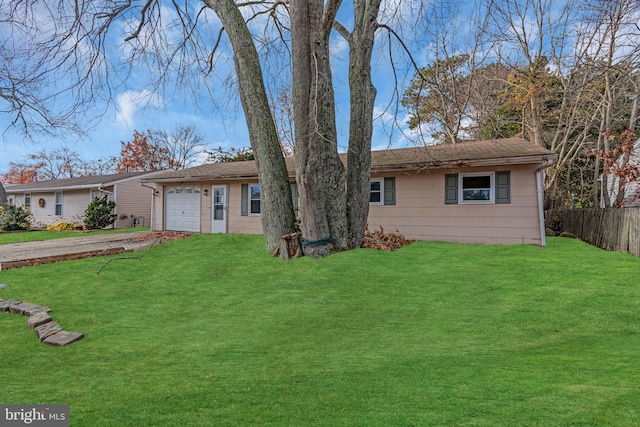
182 208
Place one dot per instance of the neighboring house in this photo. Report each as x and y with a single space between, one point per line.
473 192
67 199
632 189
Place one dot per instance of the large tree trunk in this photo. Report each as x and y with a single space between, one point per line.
276 205
362 100
319 170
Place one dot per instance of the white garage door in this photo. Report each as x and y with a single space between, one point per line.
182 209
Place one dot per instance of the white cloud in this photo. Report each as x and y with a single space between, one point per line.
130 102
399 11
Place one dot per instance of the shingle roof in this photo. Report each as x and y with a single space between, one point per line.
495 151
70 183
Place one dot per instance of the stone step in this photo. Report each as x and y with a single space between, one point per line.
5 305
27 309
40 321
62 338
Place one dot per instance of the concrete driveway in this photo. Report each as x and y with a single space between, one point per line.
46 251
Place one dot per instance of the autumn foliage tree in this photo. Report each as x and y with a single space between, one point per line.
617 165
175 149
142 154
19 174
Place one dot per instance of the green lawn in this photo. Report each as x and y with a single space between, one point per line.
29 236
212 331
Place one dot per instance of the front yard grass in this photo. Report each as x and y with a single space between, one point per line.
30 236
212 330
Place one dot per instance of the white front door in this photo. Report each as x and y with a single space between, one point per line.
182 209
219 209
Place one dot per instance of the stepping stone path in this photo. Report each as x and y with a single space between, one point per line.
47 331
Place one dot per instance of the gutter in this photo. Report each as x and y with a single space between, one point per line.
540 191
50 189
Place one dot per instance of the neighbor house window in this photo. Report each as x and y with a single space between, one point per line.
478 188
27 200
10 200
58 209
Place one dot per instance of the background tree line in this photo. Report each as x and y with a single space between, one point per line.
564 75
179 148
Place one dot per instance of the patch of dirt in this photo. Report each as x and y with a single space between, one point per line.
162 236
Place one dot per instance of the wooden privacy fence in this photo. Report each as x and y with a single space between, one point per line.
611 229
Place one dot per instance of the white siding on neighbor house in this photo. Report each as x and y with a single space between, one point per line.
631 192
73 206
41 215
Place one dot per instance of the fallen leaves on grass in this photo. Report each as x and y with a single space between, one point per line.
385 242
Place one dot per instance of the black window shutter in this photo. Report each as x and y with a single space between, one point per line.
390 191
503 184
451 189
244 202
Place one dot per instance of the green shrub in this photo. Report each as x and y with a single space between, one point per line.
99 214
15 218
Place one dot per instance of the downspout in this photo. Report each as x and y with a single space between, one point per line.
540 192
153 204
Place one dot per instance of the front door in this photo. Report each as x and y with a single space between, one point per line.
219 209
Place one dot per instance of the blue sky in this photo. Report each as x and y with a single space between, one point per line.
219 117
427 28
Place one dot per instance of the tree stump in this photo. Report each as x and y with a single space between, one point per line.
290 246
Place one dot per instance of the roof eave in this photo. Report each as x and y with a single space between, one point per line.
452 164
63 188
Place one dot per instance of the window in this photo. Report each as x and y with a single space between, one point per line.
478 188
383 191
377 192
58 209
250 199
27 200
254 200
10 200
